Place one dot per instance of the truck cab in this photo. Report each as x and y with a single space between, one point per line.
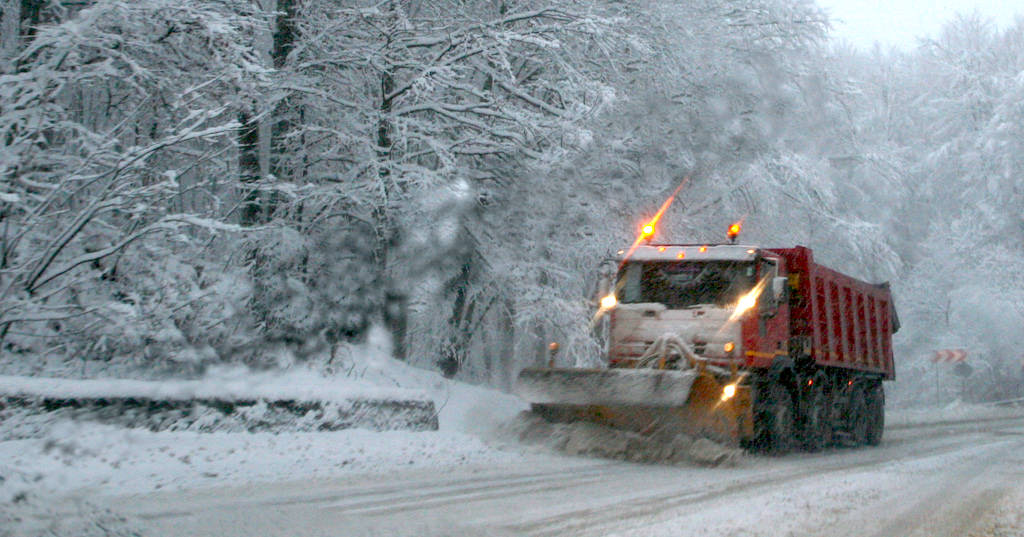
726 302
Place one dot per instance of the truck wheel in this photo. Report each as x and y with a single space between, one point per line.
775 420
816 420
876 414
859 418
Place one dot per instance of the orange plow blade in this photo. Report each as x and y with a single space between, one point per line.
646 401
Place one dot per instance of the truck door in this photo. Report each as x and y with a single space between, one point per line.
773 312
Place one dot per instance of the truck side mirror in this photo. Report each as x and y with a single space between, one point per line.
779 288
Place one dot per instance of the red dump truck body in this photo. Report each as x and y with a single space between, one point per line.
844 322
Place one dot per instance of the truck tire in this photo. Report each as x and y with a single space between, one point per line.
816 418
775 419
858 416
876 414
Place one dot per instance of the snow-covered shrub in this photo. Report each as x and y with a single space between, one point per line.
153 308
314 287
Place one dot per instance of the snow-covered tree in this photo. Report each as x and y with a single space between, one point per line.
397 103
947 117
114 124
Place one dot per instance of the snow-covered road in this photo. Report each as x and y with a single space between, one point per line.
928 480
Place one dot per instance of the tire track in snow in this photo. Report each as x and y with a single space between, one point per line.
390 498
951 503
601 519
591 499
437 497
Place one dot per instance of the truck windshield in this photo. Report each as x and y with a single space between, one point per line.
684 284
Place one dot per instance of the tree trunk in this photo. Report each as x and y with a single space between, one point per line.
487 355
10 30
507 344
282 120
17 20
540 348
249 168
285 31
31 15
396 316
453 352
387 236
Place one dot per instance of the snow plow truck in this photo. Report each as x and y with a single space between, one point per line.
755 347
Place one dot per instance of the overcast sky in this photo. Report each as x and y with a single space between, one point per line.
898 23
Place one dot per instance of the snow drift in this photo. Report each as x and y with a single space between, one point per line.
297 401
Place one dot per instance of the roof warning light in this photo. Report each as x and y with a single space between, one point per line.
734 231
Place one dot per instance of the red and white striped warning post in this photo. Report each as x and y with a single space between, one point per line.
949 356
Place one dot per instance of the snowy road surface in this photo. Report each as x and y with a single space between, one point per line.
929 480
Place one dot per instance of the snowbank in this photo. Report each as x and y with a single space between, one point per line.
955 411
64 456
79 457
228 385
288 401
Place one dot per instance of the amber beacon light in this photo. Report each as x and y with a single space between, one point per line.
647 232
734 231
